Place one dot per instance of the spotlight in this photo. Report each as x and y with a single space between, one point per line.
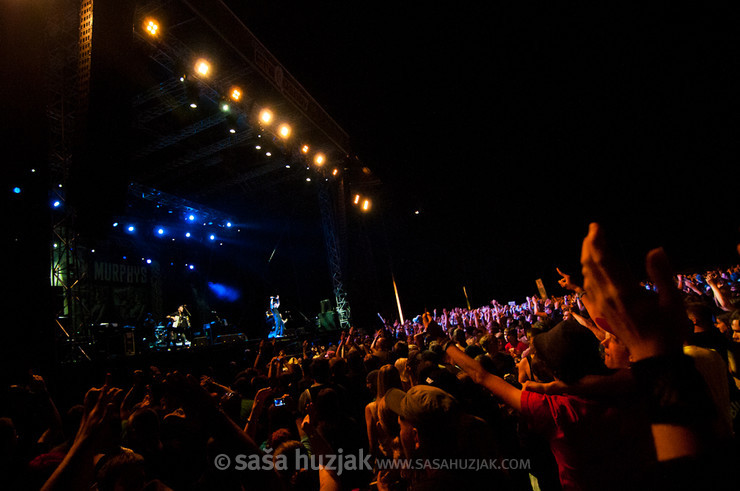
191 217
202 67
16 190
212 237
284 131
152 27
160 231
266 116
228 224
335 172
56 204
357 199
305 149
235 94
131 228
319 159
225 107
366 205
192 92
187 234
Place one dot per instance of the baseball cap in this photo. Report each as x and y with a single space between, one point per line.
570 351
423 405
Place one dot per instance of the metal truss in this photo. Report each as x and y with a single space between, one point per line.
333 250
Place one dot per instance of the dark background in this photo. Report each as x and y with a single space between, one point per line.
510 128
507 128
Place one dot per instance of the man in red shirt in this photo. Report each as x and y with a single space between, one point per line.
597 443
513 345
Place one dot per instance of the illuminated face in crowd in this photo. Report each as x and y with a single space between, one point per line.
736 330
616 354
722 326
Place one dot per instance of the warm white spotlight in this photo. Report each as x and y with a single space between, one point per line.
319 159
305 148
152 27
202 67
357 199
284 130
266 116
235 94
366 205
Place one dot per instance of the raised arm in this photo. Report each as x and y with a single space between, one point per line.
653 329
496 385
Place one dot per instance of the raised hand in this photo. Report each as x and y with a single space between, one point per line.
647 324
566 282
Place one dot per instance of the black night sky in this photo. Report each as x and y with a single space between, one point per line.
511 128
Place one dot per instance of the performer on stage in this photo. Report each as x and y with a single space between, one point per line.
279 326
180 326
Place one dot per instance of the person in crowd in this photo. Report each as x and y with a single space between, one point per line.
617 383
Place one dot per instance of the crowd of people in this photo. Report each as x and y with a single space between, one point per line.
613 384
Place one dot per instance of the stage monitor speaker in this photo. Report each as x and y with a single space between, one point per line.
200 341
230 338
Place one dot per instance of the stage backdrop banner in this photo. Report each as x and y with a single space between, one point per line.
123 293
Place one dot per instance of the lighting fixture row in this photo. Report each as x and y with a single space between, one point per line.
202 67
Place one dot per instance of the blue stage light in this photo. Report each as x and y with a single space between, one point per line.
224 292
17 190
